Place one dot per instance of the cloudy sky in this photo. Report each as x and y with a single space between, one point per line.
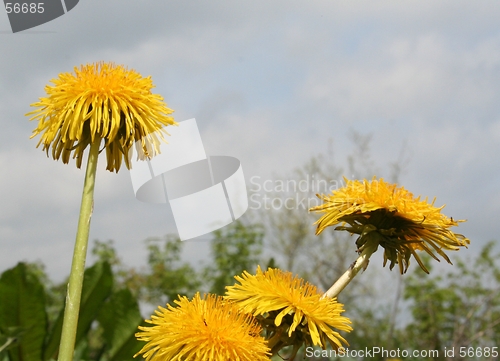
270 83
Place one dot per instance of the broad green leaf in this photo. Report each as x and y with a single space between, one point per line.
22 308
120 318
97 286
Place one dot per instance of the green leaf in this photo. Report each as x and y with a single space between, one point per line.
97 285
22 308
120 318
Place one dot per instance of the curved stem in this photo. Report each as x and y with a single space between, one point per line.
73 296
360 263
275 343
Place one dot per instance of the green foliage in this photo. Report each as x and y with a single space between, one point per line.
119 317
105 252
26 333
235 248
458 309
23 319
167 277
123 276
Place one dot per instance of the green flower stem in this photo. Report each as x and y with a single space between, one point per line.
74 293
361 263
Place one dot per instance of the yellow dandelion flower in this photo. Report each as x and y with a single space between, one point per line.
100 101
393 218
292 310
204 329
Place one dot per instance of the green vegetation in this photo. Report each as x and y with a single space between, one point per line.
457 309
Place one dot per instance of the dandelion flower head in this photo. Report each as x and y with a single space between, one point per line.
391 215
101 101
290 307
203 329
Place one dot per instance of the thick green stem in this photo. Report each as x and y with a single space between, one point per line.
74 293
348 276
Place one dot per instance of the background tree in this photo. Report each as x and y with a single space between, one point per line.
166 276
234 249
457 310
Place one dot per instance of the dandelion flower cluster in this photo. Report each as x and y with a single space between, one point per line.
101 101
203 329
393 218
290 308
